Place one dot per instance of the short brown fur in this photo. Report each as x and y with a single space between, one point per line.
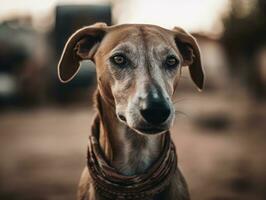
130 150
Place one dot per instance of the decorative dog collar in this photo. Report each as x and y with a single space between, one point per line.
110 184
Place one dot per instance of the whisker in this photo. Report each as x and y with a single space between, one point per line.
184 77
179 100
186 99
178 112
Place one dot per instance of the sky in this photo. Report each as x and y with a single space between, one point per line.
193 15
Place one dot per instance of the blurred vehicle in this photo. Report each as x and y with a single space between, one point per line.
21 62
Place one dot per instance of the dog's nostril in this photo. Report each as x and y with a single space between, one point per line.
156 115
122 117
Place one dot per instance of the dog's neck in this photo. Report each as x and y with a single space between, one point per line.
126 150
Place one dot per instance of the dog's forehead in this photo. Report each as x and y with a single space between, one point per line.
136 35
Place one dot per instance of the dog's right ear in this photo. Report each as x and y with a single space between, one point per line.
82 45
190 51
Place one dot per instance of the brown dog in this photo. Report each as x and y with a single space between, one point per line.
131 155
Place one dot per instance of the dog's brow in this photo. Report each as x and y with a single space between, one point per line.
162 51
126 47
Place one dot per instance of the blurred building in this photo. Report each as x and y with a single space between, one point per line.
244 39
68 19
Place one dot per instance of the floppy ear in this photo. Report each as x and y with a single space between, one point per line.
190 52
80 46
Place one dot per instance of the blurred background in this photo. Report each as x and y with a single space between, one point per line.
220 133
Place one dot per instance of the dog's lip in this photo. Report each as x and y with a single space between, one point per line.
122 117
151 130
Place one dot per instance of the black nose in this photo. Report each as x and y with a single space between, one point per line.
155 110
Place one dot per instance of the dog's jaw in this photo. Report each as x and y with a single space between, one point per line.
130 152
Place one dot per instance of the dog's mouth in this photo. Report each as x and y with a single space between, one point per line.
144 129
122 118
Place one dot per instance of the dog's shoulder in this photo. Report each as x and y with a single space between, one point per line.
177 190
179 186
85 188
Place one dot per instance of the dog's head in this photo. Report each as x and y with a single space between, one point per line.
137 69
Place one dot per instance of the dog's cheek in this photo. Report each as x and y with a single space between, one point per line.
120 99
171 84
132 116
120 96
123 86
104 85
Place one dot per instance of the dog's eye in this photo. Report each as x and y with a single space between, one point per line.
171 62
119 60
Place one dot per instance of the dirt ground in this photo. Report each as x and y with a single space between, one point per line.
221 143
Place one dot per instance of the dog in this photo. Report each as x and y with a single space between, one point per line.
138 66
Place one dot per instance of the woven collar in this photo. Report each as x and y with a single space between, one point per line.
112 185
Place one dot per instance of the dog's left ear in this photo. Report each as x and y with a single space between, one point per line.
190 52
80 46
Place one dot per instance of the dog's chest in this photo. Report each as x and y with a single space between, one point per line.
138 157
